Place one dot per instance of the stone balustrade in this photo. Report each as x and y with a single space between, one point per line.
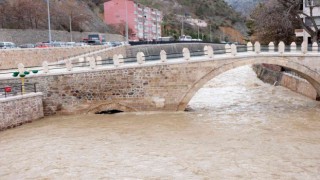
93 62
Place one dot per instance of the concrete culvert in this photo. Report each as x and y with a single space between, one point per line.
112 111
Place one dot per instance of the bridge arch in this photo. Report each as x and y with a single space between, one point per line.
305 72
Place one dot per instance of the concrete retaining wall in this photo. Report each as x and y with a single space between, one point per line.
18 110
20 36
34 57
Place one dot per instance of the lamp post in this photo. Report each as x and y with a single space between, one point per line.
127 30
49 27
156 26
70 19
70 23
182 26
198 29
210 34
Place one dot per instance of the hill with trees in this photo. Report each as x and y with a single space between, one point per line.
87 15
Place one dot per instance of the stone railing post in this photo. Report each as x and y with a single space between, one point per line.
99 60
21 68
86 62
69 64
233 49
227 47
304 47
210 52
249 47
186 54
81 61
293 47
205 50
92 63
257 47
271 47
45 66
163 56
281 47
314 47
121 59
140 58
116 60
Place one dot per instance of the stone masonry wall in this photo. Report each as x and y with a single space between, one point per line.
272 74
18 110
20 36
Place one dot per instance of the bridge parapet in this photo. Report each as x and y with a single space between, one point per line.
97 62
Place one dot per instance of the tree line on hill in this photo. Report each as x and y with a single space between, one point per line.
32 14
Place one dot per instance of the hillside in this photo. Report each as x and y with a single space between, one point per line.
87 15
244 6
32 14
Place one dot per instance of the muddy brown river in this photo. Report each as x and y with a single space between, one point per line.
240 128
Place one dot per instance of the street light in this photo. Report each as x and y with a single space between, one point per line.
49 21
70 21
198 28
127 31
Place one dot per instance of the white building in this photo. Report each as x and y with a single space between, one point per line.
306 10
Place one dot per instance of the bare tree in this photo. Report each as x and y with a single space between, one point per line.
271 23
22 14
295 9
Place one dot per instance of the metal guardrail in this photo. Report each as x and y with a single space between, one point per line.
136 43
15 89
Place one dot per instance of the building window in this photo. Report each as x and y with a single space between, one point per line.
312 2
309 22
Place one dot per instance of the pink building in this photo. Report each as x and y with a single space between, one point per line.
144 22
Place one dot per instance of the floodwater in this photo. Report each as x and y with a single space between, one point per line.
240 128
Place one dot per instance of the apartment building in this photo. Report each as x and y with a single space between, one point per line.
304 6
144 22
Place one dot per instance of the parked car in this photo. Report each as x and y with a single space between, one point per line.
81 44
58 44
7 45
94 42
27 46
185 38
70 44
43 45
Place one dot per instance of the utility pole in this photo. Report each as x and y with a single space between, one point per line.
49 27
127 30
156 25
182 26
198 29
70 19
143 20
210 34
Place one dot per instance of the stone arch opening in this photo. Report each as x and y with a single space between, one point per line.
305 72
109 108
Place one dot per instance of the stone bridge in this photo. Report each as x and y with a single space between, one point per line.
163 85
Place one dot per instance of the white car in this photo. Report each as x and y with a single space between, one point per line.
7 45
